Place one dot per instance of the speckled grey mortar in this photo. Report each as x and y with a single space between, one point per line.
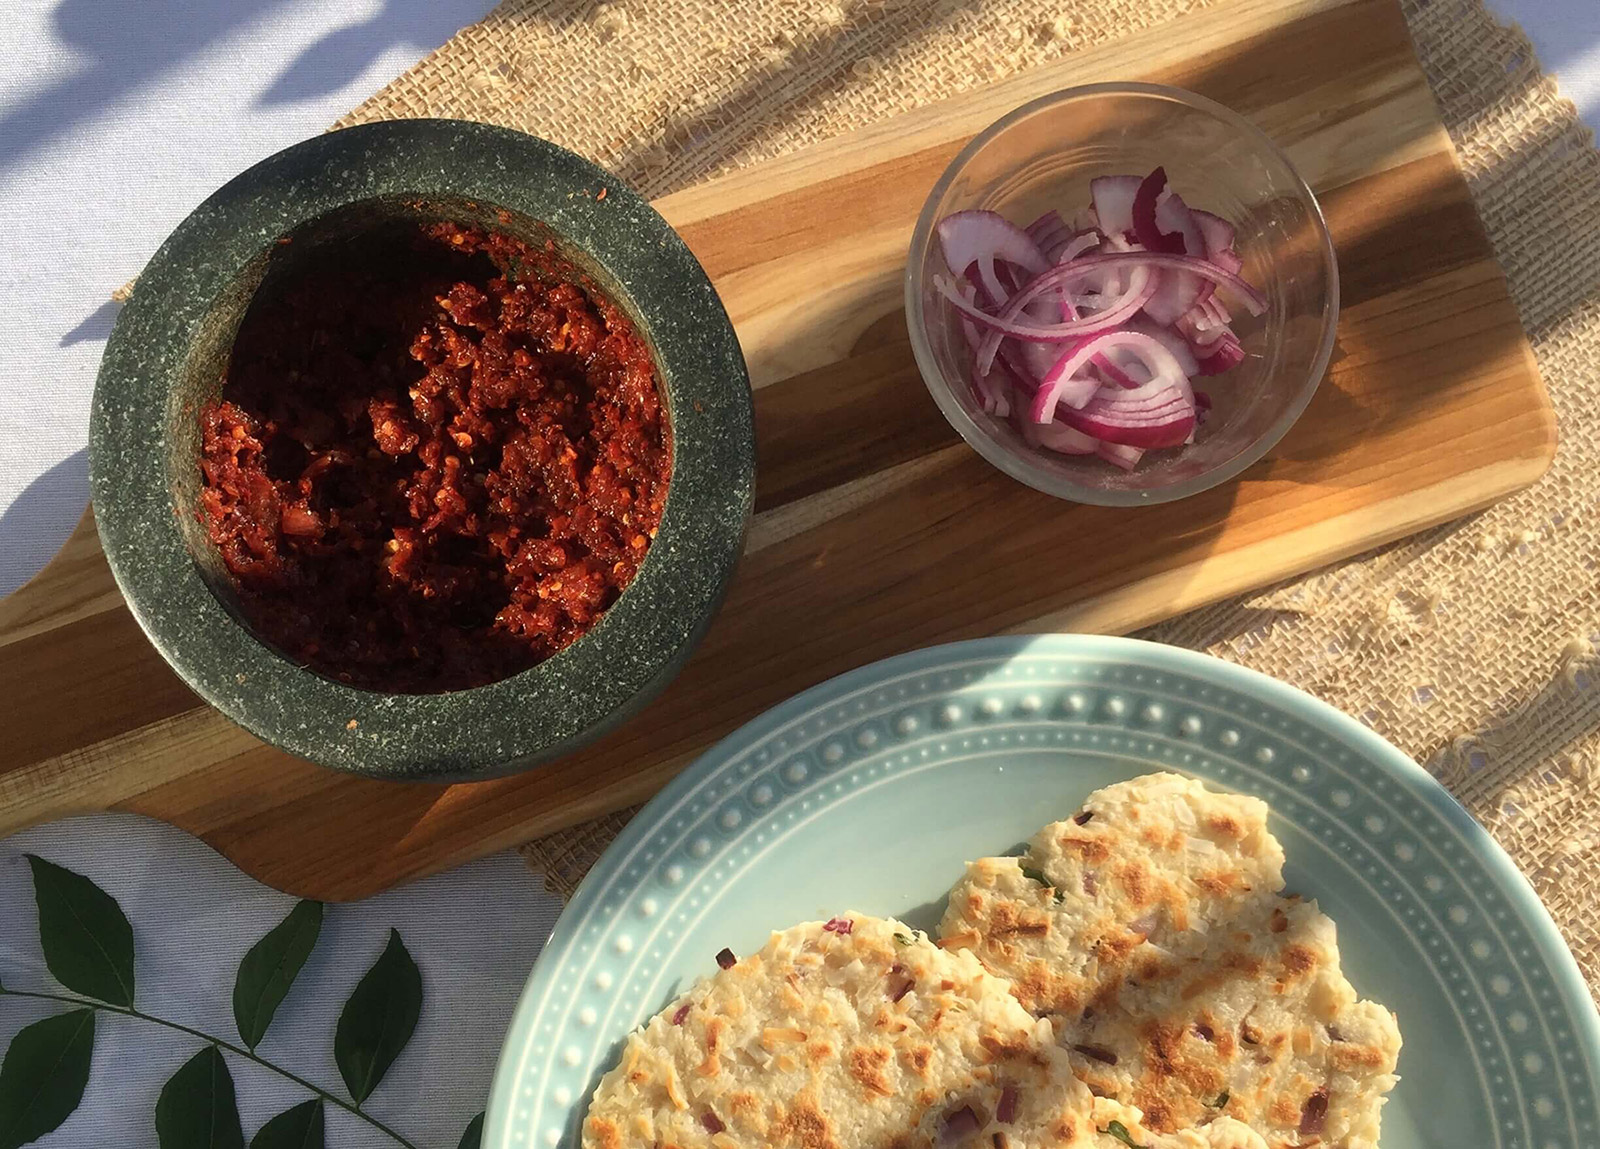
165 359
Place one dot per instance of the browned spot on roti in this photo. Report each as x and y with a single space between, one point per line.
606 1135
1136 880
1349 1055
806 1127
1089 847
711 1066
867 1065
1299 959
1228 967
1009 919
1000 1050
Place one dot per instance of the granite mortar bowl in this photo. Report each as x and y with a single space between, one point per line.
166 358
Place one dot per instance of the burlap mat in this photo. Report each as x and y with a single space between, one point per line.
1471 647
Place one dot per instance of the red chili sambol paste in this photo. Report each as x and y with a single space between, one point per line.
434 462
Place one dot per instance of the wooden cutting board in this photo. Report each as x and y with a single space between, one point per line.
877 530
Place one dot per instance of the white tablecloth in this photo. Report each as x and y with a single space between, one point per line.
116 117
474 932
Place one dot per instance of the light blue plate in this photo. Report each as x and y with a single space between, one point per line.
869 792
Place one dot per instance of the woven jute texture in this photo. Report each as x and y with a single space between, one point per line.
1472 647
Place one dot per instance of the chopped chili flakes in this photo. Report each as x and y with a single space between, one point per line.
436 460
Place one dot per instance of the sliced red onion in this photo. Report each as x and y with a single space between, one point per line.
1114 374
1053 316
840 926
1006 1111
1006 323
725 959
1030 359
1219 236
1218 233
682 1012
1174 216
980 237
1147 229
1045 225
1097 1053
1145 924
1080 244
1057 437
1314 1113
1255 302
1164 372
1051 308
1064 384
1113 202
1004 280
1025 362
1206 315
1106 283
1049 233
1112 313
992 388
1199 339
1178 291
1171 340
1115 453
1227 354
962 1123
712 1123
1168 425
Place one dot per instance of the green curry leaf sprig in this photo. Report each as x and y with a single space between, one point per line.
88 948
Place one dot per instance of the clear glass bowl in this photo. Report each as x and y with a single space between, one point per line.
1043 156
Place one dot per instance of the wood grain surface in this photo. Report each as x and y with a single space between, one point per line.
874 536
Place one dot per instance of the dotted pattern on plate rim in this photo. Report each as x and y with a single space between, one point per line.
1531 1068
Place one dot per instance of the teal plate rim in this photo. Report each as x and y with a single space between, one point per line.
1537 1045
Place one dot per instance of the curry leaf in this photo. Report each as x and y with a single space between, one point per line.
378 1019
44 1075
1120 1131
1039 876
197 1108
473 1137
297 1128
87 941
269 969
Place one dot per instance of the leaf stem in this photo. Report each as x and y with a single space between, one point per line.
248 1055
